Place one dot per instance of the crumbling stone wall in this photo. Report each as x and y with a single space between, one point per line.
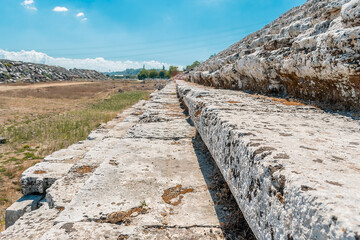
311 52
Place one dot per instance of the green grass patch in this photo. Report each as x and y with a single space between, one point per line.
12 159
30 155
4 200
60 131
120 101
1 156
26 148
10 173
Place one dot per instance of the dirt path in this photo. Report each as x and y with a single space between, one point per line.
4 88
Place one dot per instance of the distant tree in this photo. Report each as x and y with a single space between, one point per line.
162 74
143 74
192 66
153 73
167 75
172 71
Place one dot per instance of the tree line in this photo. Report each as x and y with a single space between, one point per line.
153 73
163 74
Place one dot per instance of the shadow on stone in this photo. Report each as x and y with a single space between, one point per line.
232 221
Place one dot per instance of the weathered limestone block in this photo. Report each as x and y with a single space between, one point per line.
83 157
66 155
311 52
41 176
104 231
293 169
17 209
350 13
64 189
136 175
31 225
150 184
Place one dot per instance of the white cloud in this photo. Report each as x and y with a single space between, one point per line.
99 64
29 4
84 19
80 14
60 9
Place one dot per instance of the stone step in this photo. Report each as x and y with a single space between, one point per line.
62 192
20 207
148 178
41 176
70 168
151 186
293 169
32 225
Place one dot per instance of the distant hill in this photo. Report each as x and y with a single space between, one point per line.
13 71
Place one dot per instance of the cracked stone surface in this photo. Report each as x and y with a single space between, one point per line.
293 169
55 166
25 204
311 52
149 177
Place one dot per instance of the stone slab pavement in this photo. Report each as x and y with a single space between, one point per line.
153 181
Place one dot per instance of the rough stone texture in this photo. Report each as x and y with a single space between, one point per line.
16 210
80 157
149 177
153 156
63 191
31 225
311 52
41 176
13 71
293 169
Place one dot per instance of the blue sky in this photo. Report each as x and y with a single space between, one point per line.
167 31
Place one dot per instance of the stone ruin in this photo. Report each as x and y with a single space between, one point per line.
197 161
16 71
311 52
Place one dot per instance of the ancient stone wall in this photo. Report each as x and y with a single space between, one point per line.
293 168
311 52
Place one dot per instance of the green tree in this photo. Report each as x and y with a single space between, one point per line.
162 74
153 73
172 71
192 66
143 74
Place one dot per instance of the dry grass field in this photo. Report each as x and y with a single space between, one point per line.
39 119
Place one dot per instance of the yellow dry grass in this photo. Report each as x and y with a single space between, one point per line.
41 118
